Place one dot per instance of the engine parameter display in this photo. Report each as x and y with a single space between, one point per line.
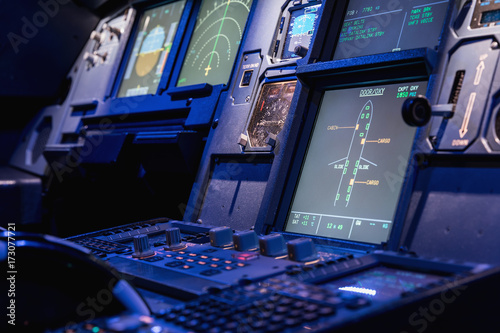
215 42
152 44
378 26
355 164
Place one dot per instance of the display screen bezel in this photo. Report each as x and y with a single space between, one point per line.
297 161
169 64
174 86
336 57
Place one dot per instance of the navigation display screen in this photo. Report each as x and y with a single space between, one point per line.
215 42
152 43
300 30
353 169
380 26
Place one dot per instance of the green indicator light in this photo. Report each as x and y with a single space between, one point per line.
357 163
363 116
345 171
367 126
346 163
95 329
347 197
355 171
337 197
367 115
349 189
361 134
367 107
340 227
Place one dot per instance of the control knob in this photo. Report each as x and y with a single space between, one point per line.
245 240
142 248
301 249
221 237
301 51
272 245
173 239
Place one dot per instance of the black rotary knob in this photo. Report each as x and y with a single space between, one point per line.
417 111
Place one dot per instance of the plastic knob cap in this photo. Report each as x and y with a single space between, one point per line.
417 111
301 249
272 245
221 237
301 51
141 247
173 239
245 240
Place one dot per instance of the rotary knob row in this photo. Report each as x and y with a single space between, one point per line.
272 245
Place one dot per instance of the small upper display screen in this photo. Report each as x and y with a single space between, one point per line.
355 164
300 30
152 43
215 42
380 26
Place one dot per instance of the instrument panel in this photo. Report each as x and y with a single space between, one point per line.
328 165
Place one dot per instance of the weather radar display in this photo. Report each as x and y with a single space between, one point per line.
152 44
215 42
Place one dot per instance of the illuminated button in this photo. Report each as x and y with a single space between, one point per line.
204 257
214 265
179 258
201 262
216 259
241 264
192 254
228 261
186 267
229 268
245 256
190 260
